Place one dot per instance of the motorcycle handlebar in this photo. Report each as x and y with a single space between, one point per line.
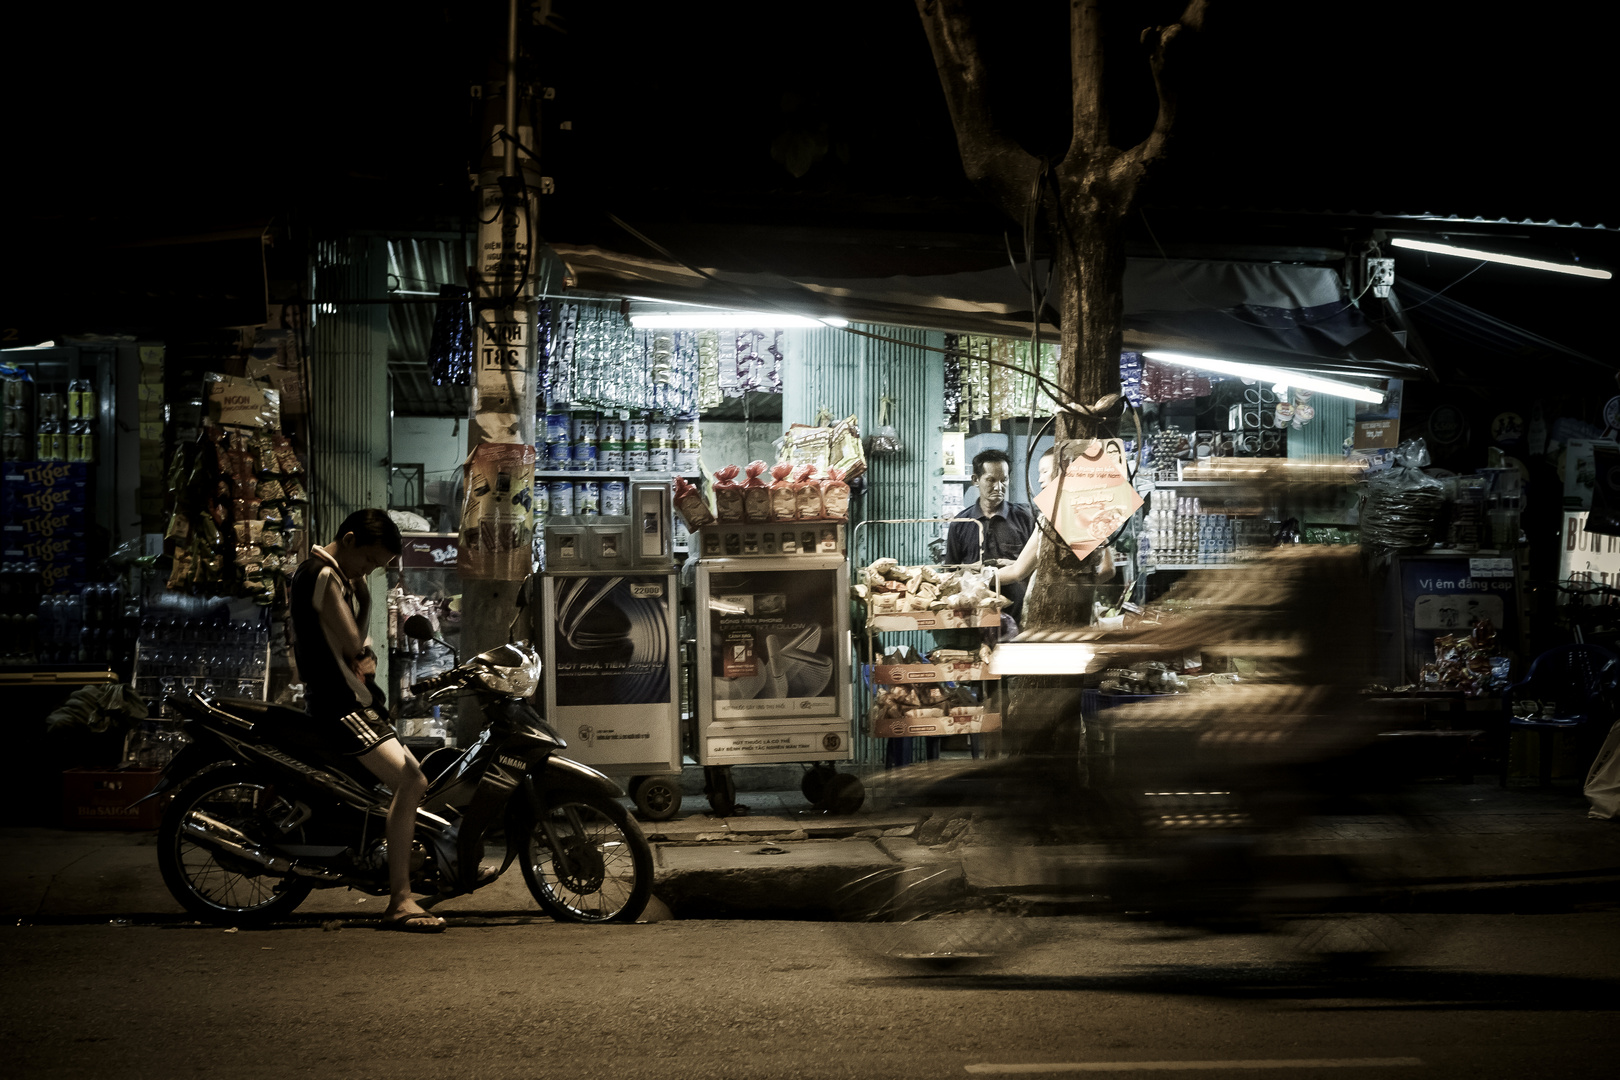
435 682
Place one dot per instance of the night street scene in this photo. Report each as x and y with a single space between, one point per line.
857 539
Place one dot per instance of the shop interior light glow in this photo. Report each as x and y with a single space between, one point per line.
1498 257
1261 372
729 320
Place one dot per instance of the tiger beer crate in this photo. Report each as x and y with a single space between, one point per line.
100 799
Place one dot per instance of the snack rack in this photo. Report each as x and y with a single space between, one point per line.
949 722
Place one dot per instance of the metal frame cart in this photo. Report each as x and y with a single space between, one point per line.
607 630
919 674
773 667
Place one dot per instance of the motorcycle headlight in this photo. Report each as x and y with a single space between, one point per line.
511 669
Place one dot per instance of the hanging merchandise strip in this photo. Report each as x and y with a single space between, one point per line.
953 380
985 384
597 359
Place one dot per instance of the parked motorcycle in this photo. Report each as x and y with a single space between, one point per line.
264 813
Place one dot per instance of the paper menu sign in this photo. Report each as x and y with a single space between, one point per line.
1096 497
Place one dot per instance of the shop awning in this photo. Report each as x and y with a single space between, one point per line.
1281 314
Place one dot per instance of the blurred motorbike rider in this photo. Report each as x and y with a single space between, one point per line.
330 607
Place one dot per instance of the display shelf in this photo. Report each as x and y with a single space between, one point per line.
905 674
57 677
614 474
1201 566
930 620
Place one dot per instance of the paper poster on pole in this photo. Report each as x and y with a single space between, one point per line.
1093 498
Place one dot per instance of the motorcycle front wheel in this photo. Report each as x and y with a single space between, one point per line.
216 886
604 872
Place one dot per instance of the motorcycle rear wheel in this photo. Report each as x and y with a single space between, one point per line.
214 886
608 870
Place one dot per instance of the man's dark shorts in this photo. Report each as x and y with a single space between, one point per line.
358 732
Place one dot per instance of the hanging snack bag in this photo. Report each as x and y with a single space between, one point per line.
807 493
784 504
835 496
756 495
689 503
728 496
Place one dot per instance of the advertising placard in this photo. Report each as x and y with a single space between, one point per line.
773 640
1443 594
1093 498
1587 556
611 643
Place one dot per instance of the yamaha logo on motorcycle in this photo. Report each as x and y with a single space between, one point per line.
263 813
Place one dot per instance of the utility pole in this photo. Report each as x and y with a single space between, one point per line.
497 527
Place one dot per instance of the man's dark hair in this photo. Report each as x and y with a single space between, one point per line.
372 526
983 456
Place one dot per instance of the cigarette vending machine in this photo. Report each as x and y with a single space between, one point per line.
773 656
607 628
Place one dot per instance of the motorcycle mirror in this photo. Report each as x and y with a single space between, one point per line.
418 627
519 602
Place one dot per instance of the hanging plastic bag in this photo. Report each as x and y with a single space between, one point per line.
1603 780
886 440
784 504
756 495
728 495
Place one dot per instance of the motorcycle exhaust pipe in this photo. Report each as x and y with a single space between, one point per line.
211 832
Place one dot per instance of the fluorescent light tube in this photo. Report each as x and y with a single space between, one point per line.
1498 257
1041 658
1270 374
728 320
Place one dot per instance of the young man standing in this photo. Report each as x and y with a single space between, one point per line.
331 605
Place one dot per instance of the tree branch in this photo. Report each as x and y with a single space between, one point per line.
994 163
1192 19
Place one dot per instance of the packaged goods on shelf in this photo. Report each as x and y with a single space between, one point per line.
888 588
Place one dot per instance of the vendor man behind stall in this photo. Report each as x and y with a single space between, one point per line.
1007 525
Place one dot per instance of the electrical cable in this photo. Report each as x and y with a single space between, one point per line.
1445 290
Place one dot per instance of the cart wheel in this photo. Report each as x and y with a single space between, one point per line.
814 784
844 794
720 789
658 797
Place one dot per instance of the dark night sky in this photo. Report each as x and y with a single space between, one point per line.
122 123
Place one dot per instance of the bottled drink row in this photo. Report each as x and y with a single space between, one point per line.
97 624
208 655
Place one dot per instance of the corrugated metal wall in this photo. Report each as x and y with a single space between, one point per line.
1334 422
846 373
348 396
348 424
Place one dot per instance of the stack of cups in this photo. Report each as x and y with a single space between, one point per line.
582 454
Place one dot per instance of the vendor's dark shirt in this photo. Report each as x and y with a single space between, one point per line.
1005 534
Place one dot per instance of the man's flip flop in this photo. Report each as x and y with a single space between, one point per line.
417 922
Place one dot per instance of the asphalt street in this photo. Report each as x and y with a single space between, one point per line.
1477 996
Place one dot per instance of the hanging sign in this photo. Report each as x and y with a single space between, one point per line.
1093 498
503 345
1587 556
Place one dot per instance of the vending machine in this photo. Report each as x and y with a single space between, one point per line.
773 655
607 627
